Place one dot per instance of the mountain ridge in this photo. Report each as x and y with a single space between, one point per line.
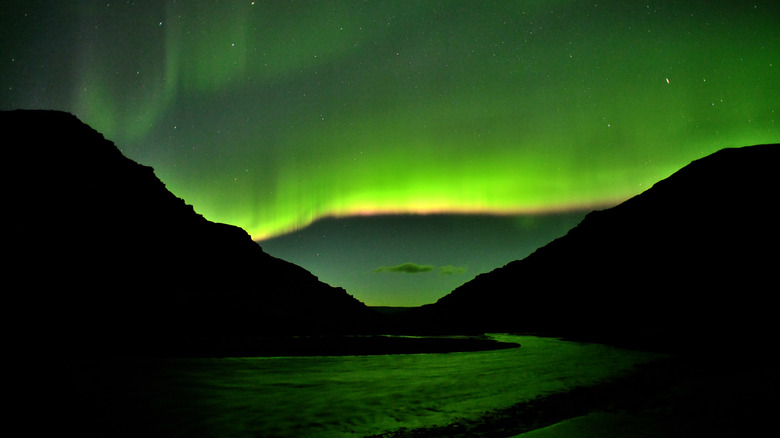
105 258
686 261
109 259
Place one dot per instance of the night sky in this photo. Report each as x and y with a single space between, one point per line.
399 148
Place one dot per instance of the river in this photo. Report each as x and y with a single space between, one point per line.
332 396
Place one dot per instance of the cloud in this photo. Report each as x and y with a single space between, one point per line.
449 270
408 268
414 268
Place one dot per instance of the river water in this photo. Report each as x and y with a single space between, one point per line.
332 396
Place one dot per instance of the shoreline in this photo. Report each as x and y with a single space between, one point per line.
543 410
677 396
326 345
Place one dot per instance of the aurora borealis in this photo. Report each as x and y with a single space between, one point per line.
272 115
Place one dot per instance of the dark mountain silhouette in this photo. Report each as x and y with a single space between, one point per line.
103 256
693 260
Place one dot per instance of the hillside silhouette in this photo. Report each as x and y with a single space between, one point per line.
691 261
104 258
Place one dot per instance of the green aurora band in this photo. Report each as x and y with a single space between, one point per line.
271 115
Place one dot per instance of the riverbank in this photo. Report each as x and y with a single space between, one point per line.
735 396
674 397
